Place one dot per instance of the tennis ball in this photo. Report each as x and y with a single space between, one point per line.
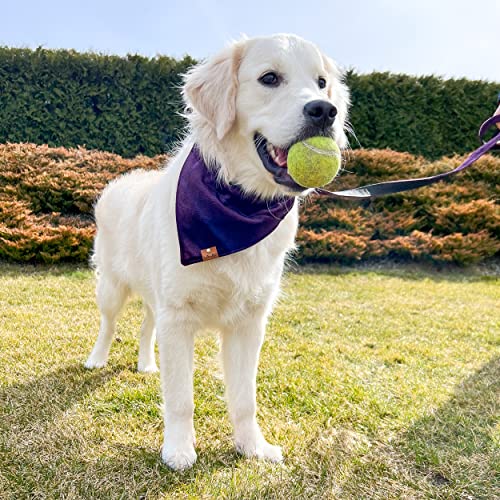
314 162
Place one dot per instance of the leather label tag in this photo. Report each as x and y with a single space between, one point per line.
209 253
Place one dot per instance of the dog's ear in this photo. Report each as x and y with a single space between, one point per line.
338 94
210 88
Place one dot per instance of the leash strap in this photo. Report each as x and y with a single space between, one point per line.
391 187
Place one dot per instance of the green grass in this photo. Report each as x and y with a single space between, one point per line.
378 383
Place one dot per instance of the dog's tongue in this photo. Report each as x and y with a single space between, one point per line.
281 156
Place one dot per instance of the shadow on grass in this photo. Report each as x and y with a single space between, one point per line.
42 398
138 472
449 453
29 412
13 269
40 456
460 433
486 271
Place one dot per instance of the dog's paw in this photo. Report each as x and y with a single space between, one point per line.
147 367
178 459
92 363
261 450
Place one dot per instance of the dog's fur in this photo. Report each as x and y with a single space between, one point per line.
137 249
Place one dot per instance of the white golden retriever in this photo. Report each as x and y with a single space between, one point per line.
245 107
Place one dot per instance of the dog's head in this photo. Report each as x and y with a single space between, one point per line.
250 103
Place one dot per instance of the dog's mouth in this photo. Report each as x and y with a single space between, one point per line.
274 160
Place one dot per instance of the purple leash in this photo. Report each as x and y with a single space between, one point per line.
391 187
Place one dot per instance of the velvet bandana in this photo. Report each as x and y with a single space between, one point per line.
215 219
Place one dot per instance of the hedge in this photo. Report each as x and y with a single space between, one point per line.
130 105
425 115
127 105
47 196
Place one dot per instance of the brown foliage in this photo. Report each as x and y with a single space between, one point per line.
47 196
46 199
453 221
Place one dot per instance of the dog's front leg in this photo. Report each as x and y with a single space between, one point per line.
240 355
175 337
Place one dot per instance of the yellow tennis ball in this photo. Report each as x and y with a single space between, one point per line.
314 162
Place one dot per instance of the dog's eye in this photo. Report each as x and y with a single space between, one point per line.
321 82
270 79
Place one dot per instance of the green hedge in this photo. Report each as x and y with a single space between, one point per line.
426 115
62 98
130 105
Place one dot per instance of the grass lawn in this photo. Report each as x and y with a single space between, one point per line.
378 383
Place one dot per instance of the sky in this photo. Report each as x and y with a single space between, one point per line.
450 38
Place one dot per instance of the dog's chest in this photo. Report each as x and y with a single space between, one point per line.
231 295
230 288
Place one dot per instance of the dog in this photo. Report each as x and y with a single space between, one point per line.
245 107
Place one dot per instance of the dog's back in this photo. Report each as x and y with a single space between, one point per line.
118 216
134 187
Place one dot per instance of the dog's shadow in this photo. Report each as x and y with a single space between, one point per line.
41 399
41 455
30 443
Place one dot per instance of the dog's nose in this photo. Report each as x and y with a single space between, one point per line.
320 113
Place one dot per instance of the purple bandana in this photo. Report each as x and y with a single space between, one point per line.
215 219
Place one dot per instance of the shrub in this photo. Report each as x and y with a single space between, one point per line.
47 195
130 105
424 115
